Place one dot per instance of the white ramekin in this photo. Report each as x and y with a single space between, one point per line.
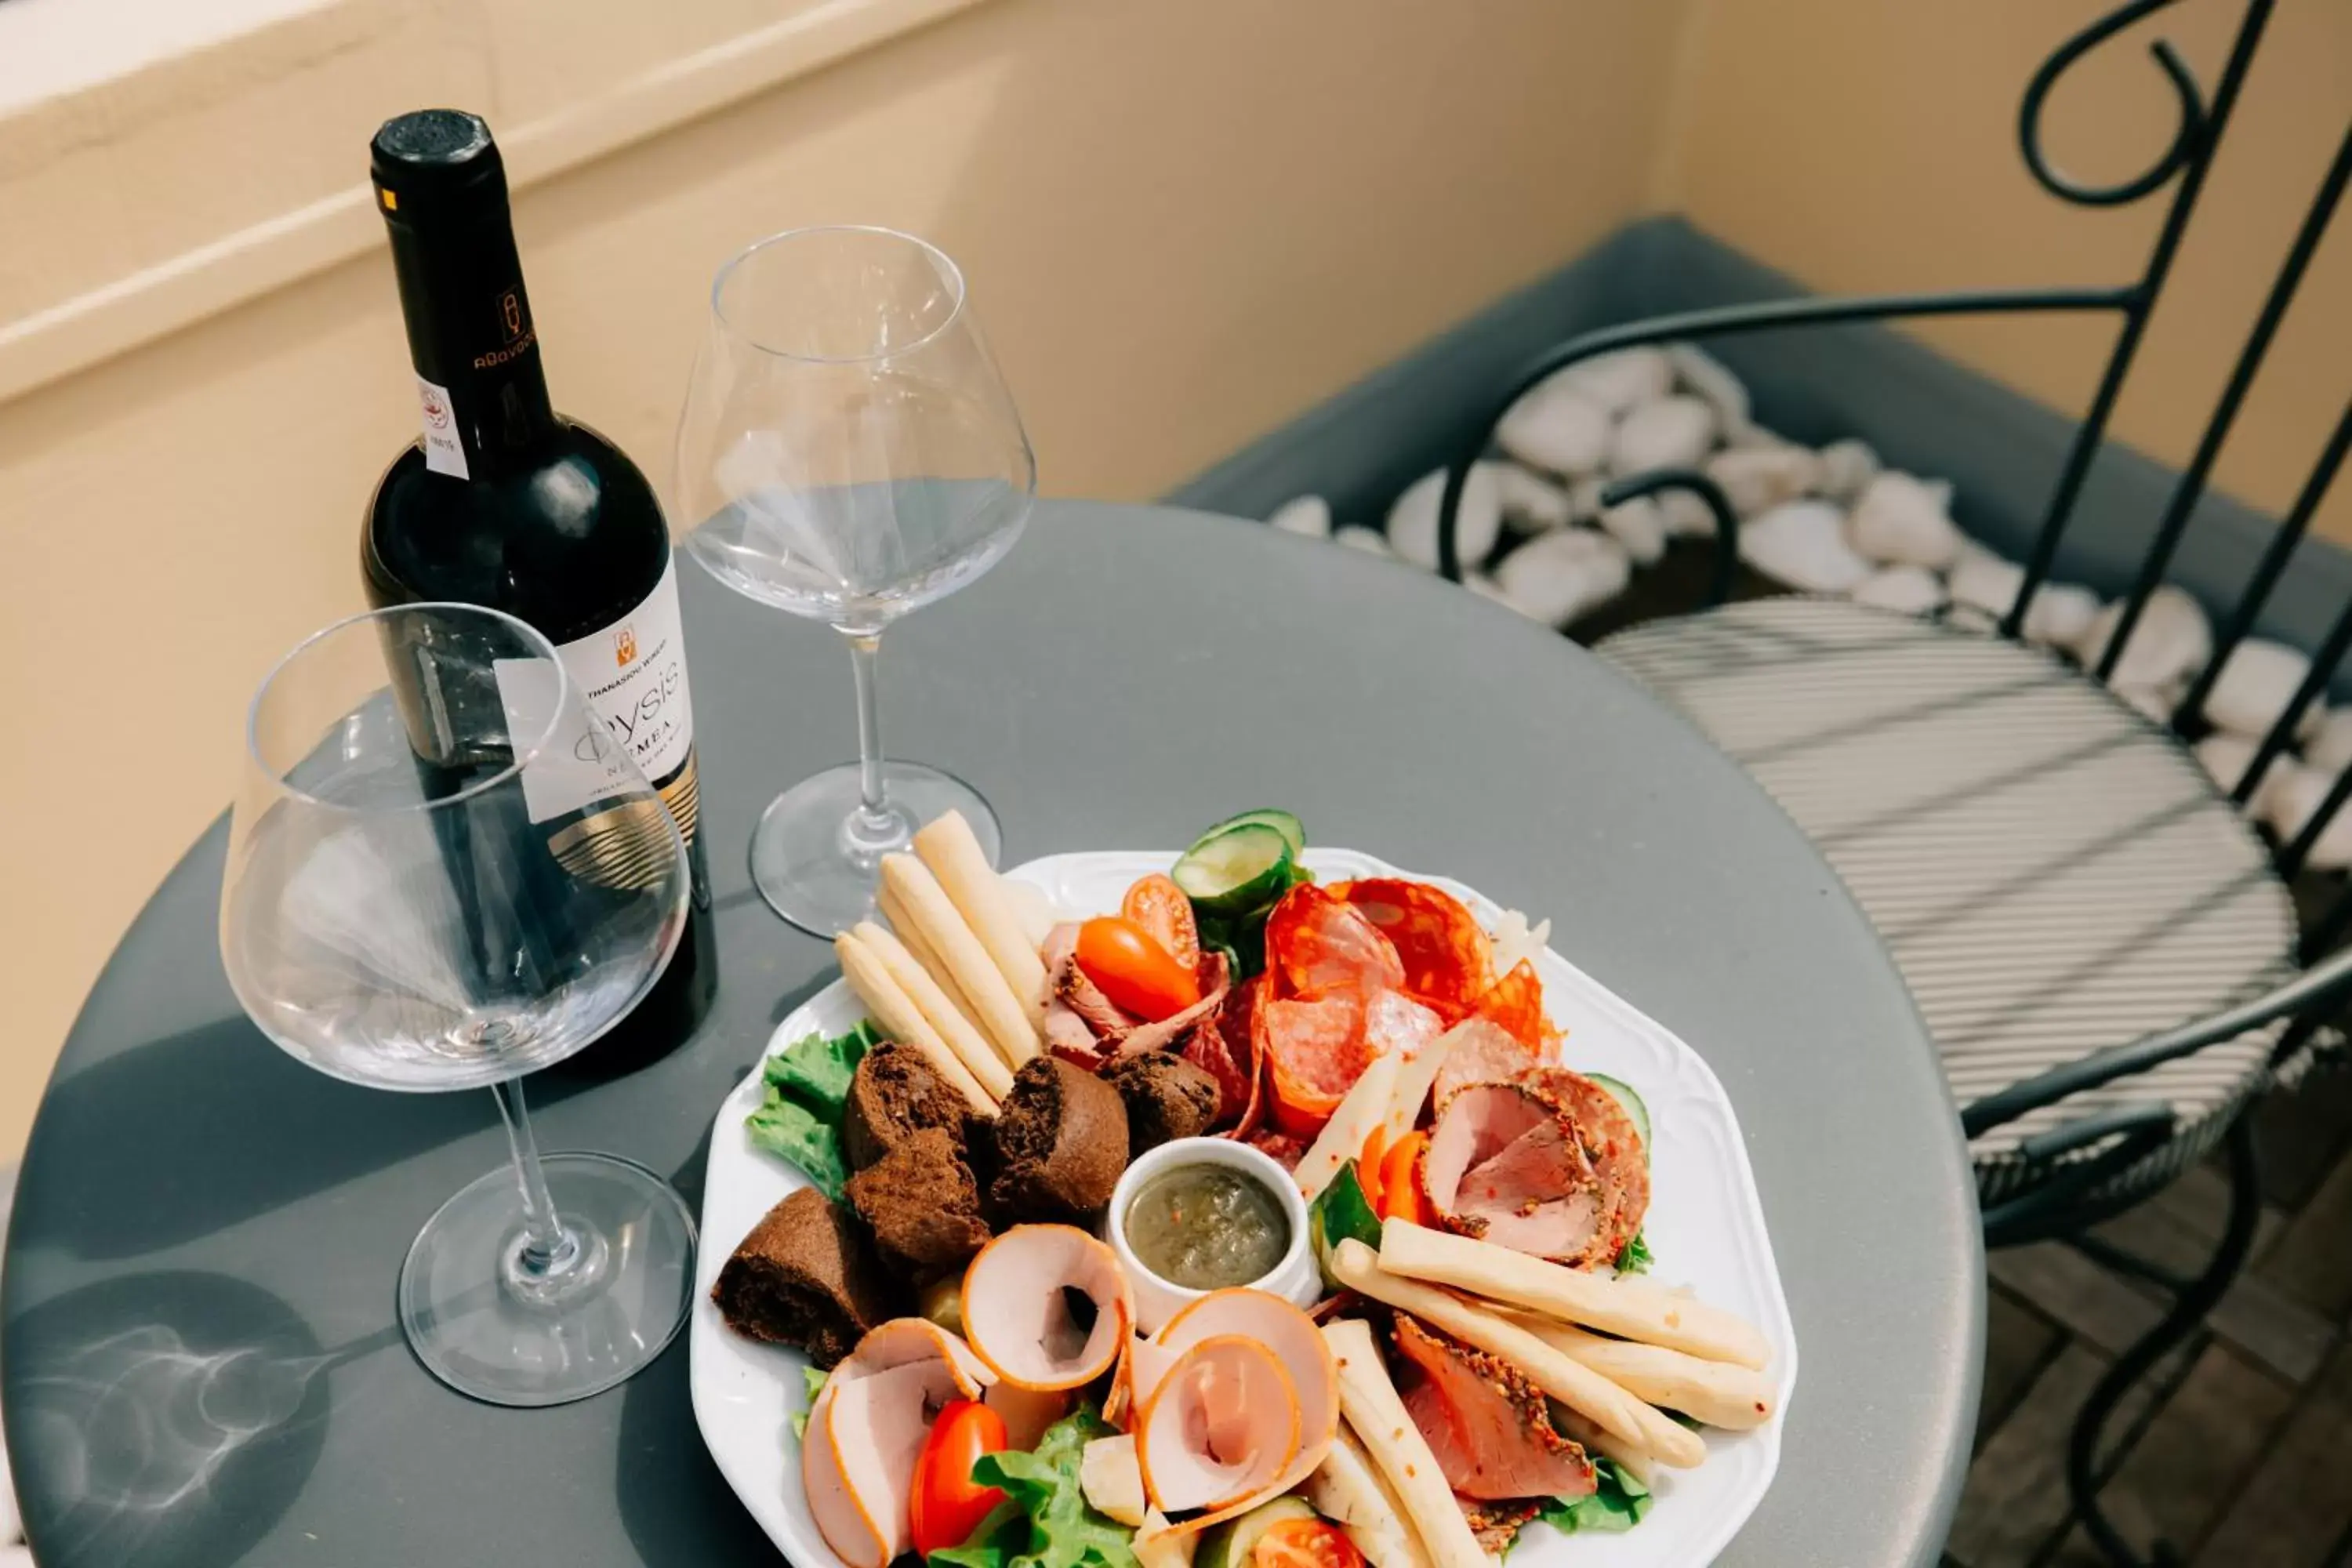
1295 1279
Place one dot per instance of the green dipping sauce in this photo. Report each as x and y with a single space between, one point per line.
1207 1227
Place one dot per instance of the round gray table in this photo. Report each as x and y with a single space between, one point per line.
207 1234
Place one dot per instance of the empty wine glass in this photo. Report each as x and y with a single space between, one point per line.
849 453
442 874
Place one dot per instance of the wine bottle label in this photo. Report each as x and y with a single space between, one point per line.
444 453
632 674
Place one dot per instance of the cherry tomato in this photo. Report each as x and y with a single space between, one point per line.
1159 906
1134 971
947 1504
1305 1543
1368 1165
1401 1193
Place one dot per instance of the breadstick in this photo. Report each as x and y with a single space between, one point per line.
1716 1393
1571 1383
1630 1309
1001 1015
1371 1403
956 859
939 1012
1576 1430
901 1020
904 929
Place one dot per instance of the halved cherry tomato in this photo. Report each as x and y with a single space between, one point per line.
1134 971
1159 906
1305 1543
946 1504
1368 1165
1401 1193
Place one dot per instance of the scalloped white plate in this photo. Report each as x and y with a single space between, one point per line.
1706 1228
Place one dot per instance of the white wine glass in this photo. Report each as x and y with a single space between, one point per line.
849 453
443 873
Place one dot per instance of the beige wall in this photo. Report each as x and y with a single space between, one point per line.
1183 224
1871 145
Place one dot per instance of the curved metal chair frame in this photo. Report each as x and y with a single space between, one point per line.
2088 1159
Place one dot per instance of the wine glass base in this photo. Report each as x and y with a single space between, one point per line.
810 868
553 1343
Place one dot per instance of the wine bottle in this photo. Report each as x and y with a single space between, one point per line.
504 502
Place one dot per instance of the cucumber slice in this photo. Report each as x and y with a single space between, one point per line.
1624 1094
1293 832
1233 869
1229 1545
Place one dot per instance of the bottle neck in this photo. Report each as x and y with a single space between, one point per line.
483 395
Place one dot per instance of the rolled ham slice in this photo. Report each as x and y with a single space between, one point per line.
1505 1163
1046 1307
867 1429
1221 1428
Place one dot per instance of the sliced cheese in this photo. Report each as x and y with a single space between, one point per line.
1109 1477
1361 1109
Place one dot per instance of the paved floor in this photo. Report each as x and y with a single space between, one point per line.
2238 1451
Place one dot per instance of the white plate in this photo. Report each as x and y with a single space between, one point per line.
1704 1226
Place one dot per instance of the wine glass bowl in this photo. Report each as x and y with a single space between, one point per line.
849 453
444 872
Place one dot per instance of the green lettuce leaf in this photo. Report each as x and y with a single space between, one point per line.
814 1377
1634 1258
1618 1502
790 1130
1046 1520
1340 1212
799 1118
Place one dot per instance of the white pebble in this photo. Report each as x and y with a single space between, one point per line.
1987 582
1899 520
2330 746
2154 703
2293 804
2172 639
1942 490
1686 516
1558 577
1847 467
2226 756
1758 478
1556 427
1309 515
1620 380
1640 526
1478 523
1803 543
1584 498
1370 540
1710 380
2257 681
1530 501
2059 615
1668 433
1907 590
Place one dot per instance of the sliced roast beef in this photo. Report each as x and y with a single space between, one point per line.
1495 1526
1613 1145
1228 1052
1480 1051
1068 985
1489 1427
1506 1163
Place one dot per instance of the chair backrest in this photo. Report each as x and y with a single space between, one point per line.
2183 164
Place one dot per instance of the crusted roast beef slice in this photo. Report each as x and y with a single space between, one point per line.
1506 1163
804 1278
1495 1525
893 1095
1613 1145
1489 1427
922 1207
1061 1145
1481 1051
1165 1034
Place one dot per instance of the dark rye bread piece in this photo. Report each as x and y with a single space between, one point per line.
893 1095
1167 1097
1060 1145
921 1204
804 1278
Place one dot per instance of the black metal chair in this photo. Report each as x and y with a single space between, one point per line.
2105 952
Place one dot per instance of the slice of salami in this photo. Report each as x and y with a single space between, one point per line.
1398 1025
1516 1003
1315 1050
1448 960
1317 943
1229 1054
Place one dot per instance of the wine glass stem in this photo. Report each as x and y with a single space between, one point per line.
875 825
547 1248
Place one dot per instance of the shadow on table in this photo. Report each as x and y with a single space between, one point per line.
174 1140
677 1509
164 1417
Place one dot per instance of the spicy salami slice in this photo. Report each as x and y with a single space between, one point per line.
1448 960
1317 943
1516 1003
1398 1025
1314 1050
